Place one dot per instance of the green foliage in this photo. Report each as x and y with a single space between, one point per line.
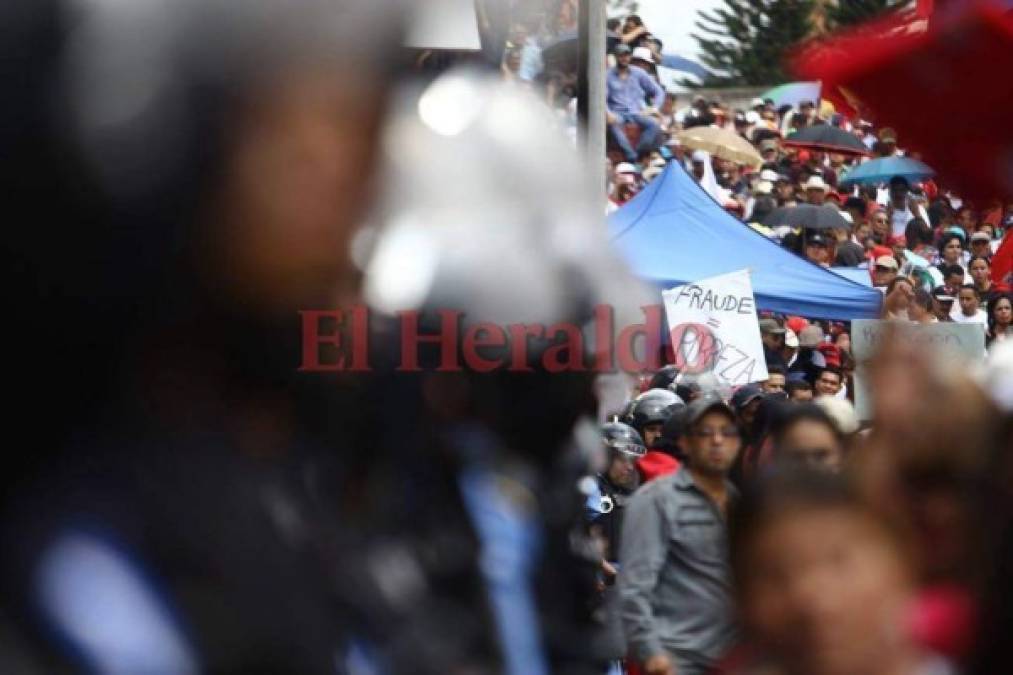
850 12
745 41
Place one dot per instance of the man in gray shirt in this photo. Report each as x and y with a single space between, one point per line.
674 585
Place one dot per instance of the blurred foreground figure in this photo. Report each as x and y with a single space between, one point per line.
195 171
487 216
190 501
824 584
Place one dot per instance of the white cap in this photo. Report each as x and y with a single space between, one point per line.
700 156
756 101
626 167
841 412
815 183
753 117
644 54
763 187
769 174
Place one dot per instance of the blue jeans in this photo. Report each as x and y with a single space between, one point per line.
649 131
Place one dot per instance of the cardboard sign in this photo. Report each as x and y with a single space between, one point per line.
714 329
965 341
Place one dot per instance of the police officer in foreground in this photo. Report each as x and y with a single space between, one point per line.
232 513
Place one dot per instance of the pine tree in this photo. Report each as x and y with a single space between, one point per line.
850 12
745 42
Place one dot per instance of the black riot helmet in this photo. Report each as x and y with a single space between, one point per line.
671 430
623 439
654 406
665 377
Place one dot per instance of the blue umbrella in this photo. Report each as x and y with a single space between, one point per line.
883 169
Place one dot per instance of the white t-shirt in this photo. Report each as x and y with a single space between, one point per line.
958 316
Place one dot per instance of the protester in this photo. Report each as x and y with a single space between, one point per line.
919 310
901 209
817 249
829 381
805 435
981 276
628 87
674 584
776 379
773 335
1000 318
951 251
799 391
981 244
942 304
968 309
823 582
884 271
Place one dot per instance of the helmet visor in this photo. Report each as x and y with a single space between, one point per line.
627 448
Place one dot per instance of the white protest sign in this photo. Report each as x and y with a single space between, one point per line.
714 329
444 24
965 341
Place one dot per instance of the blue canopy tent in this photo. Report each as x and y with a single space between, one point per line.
673 233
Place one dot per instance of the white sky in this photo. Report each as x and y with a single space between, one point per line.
672 21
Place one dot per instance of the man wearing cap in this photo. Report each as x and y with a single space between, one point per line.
888 142
883 272
981 244
809 360
815 190
769 150
784 191
790 351
942 304
817 249
642 58
849 252
627 87
675 584
772 335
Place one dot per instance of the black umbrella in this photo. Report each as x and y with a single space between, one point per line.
827 138
807 216
562 52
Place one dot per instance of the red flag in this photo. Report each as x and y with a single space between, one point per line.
1002 263
942 89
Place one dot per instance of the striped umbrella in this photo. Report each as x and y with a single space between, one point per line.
793 93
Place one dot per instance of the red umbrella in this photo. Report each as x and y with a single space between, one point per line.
945 90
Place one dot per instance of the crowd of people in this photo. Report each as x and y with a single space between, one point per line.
203 478
897 229
774 531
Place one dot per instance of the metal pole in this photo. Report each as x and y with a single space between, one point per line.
591 87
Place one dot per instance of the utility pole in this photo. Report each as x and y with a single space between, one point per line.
591 87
